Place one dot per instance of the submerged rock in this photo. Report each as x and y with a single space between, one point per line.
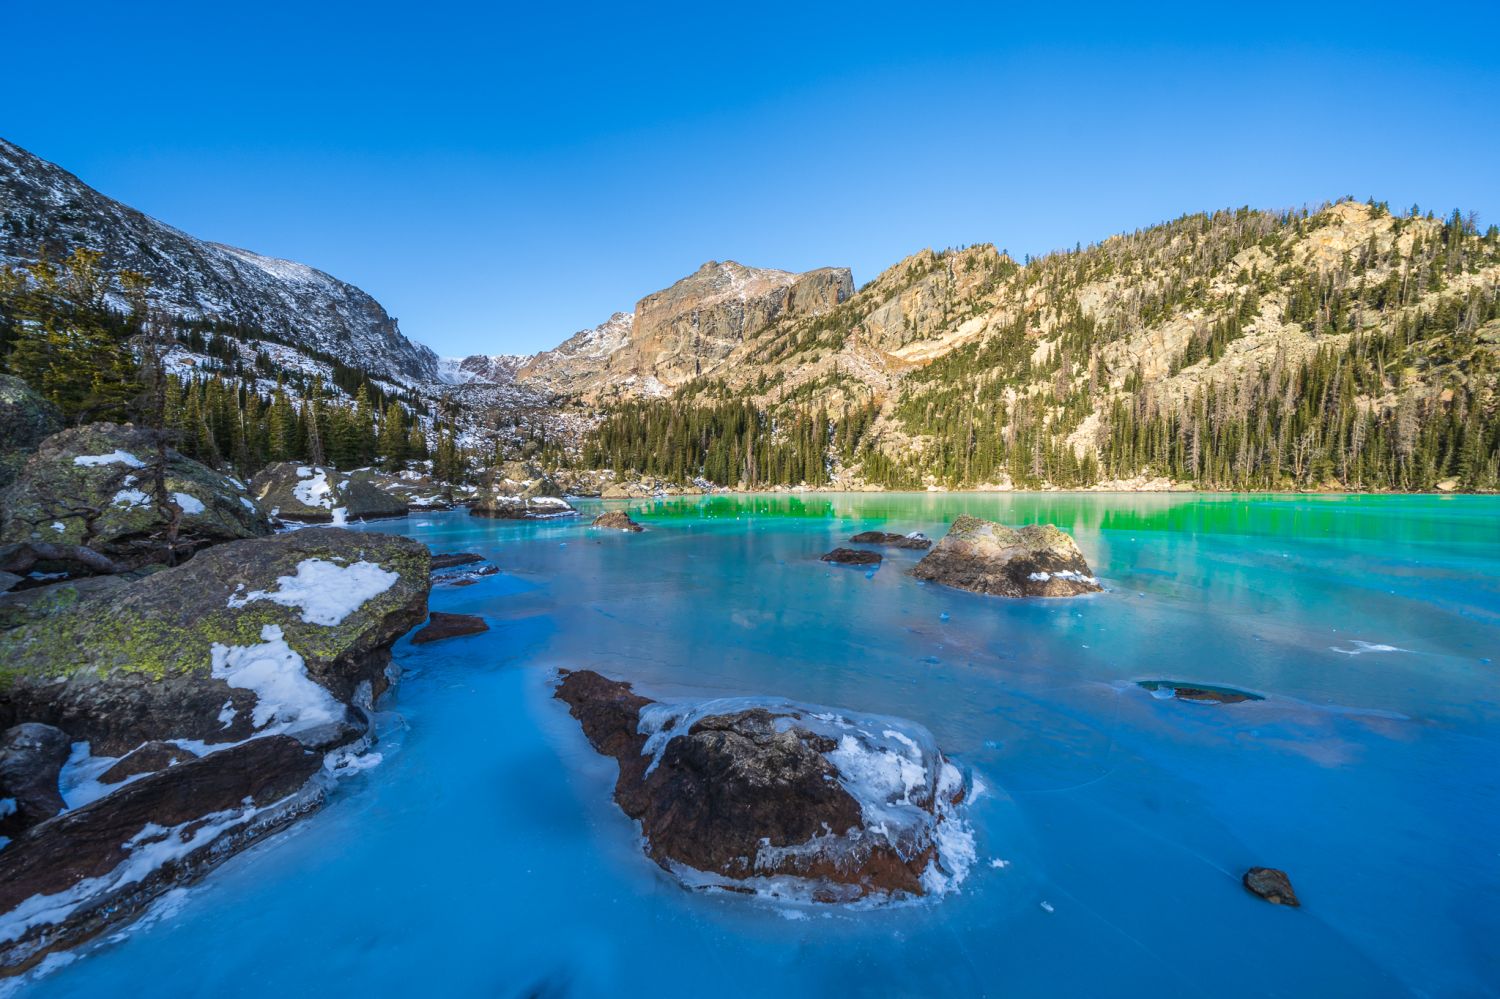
287 633
321 494
766 795
26 419
851 556
914 540
454 559
440 626
617 520
1198 693
984 557
464 577
94 487
1272 885
31 757
104 863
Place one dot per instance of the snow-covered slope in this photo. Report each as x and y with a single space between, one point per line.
489 369
42 205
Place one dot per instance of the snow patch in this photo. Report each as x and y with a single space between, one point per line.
277 675
113 458
326 592
190 504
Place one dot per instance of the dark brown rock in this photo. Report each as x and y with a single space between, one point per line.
917 542
1037 560
452 560
1272 885
225 800
31 756
851 556
617 520
467 577
147 758
441 626
1201 695
733 785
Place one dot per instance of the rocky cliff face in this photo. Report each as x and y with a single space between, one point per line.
44 206
685 331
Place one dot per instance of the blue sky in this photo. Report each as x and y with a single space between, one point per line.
499 177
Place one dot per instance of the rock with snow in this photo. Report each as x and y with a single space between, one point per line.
65 881
26 419
95 487
289 633
31 757
321 494
514 491
765 795
914 540
1037 560
146 758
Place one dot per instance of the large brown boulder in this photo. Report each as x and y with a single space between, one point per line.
617 520
771 795
1037 560
914 541
513 491
94 487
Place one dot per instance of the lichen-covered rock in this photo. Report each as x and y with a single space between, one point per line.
104 863
762 794
26 419
35 603
31 757
1272 885
321 494
187 652
617 520
914 540
94 487
1037 560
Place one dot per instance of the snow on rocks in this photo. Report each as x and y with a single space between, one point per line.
113 458
326 592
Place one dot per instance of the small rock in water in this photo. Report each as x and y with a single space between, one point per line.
851 556
1167 689
1270 884
452 560
442 626
617 520
914 540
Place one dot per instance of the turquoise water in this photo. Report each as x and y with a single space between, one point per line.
483 856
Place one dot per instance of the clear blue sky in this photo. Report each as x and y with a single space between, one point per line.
499 178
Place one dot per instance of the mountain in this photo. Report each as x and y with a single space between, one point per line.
1342 347
683 331
44 206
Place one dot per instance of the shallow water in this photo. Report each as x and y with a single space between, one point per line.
483 856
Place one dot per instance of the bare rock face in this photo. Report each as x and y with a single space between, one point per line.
852 556
1272 885
617 520
681 332
94 487
984 557
764 795
914 541
104 863
31 757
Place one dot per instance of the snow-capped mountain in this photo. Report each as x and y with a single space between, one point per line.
42 205
488 369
